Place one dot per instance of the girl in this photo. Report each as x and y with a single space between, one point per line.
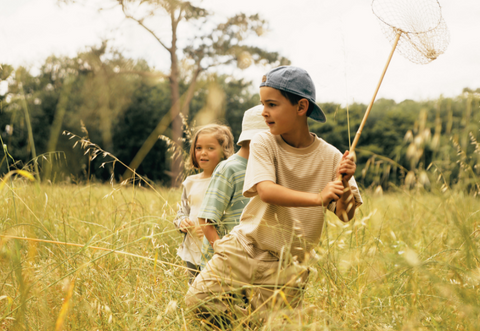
210 145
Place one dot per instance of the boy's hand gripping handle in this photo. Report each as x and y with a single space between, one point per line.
352 156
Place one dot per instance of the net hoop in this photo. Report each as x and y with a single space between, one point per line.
409 16
423 32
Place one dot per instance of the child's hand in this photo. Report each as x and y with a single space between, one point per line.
197 231
186 224
189 226
332 191
347 167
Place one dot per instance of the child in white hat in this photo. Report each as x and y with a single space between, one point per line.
223 203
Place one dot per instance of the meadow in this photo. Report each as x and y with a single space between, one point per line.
86 254
408 261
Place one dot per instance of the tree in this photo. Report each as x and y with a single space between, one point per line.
208 45
69 91
95 88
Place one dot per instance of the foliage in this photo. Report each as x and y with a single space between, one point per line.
118 100
88 88
122 102
403 141
215 42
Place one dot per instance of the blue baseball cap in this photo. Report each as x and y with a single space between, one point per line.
297 81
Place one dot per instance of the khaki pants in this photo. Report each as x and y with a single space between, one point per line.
234 283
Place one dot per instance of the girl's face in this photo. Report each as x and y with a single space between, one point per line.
208 152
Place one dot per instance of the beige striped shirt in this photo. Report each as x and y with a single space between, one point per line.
265 230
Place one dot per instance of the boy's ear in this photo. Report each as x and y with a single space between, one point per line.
303 107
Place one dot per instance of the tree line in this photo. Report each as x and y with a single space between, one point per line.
118 102
143 116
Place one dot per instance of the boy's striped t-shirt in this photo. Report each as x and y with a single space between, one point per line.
224 202
268 231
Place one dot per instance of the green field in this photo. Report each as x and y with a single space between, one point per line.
409 261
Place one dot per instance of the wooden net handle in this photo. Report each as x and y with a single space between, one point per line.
364 120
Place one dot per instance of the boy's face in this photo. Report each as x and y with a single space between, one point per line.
280 115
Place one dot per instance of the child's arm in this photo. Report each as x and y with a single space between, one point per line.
217 198
208 230
337 190
279 195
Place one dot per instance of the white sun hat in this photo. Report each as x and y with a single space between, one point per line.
253 123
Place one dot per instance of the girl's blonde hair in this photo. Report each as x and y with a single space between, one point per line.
223 135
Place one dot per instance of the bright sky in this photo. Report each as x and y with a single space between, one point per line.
340 43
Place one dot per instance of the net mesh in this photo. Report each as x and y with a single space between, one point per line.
423 32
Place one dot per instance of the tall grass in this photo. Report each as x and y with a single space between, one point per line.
101 256
110 289
409 260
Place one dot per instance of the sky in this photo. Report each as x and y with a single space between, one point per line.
339 42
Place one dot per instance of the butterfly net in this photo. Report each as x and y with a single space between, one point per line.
423 32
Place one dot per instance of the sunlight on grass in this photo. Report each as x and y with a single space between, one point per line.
408 261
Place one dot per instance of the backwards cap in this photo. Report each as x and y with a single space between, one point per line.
297 81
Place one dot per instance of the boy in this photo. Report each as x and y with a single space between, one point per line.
291 175
224 202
